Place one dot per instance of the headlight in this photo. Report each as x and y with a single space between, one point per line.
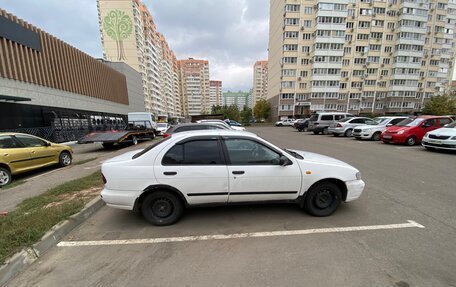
426 135
400 132
358 175
453 138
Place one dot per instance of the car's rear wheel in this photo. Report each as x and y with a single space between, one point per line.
316 133
322 199
376 136
65 159
162 208
325 131
5 177
348 133
411 141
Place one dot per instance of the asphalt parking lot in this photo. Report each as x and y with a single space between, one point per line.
368 242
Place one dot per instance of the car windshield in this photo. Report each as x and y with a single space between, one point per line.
162 125
451 125
410 122
381 121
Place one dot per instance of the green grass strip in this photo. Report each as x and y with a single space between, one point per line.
33 217
85 161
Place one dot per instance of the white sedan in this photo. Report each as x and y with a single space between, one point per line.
443 138
220 167
285 122
374 130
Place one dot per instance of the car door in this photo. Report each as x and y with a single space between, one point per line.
41 153
426 126
358 122
196 167
255 173
13 154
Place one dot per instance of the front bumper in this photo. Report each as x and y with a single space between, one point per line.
121 199
439 144
394 138
362 135
354 189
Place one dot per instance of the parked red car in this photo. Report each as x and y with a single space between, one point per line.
410 131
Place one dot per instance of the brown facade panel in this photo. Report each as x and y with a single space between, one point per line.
59 66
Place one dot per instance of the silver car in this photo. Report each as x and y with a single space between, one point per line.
345 126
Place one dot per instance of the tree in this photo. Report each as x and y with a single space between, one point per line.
441 105
246 115
118 26
231 112
262 109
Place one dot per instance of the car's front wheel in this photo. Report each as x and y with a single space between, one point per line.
411 141
376 136
348 133
162 208
322 199
65 159
5 177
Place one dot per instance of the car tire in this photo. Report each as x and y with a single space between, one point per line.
348 133
316 133
410 141
162 208
300 130
376 136
322 199
5 177
325 131
65 159
336 135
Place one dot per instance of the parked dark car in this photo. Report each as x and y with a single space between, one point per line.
194 127
301 125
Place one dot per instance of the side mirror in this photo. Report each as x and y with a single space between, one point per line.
47 144
284 161
389 125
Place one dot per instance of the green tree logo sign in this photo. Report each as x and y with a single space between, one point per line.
118 26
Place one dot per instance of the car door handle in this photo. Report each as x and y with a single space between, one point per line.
169 173
32 151
238 172
5 154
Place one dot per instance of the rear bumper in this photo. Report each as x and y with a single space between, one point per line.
354 189
120 198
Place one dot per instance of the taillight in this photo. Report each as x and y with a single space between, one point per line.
103 178
166 135
339 126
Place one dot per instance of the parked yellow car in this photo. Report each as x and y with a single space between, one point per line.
22 152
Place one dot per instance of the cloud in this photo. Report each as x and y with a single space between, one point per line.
231 34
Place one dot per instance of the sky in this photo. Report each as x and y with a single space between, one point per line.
231 34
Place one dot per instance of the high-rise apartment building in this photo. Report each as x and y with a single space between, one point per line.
194 77
215 93
260 81
239 99
129 35
364 56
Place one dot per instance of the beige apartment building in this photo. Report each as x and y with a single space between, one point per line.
381 57
195 86
215 93
260 81
129 35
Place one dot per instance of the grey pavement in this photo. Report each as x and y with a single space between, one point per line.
39 181
403 183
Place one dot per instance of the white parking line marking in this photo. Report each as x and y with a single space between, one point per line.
410 224
92 167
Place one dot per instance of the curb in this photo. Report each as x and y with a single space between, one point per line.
24 258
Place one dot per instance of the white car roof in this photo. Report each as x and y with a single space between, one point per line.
213 133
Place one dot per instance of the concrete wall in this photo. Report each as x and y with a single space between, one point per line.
45 96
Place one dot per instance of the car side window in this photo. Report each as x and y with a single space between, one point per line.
430 122
358 121
248 152
28 141
339 117
327 118
7 142
197 152
444 121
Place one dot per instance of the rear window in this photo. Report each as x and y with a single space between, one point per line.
150 147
